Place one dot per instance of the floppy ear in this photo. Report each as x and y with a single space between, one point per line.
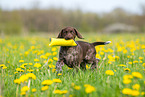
60 34
78 34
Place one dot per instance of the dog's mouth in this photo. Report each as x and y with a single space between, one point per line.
68 38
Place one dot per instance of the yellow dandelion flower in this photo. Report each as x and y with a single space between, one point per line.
140 58
19 70
72 84
127 76
15 72
130 63
77 87
36 60
135 93
23 93
59 74
87 67
30 63
86 85
127 70
17 81
127 91
142 93
53 70
64 91
44 88
55 58
135 61
48 54
50 60
33 90
23 78
57 80
137 75
47 82
2 65
30 70
37 65
125 51
143 64
54 53
101 53
53 49
31 75
90 89
60 92
122 65
21 61
127 81
24 89
109 72
57 92
136 86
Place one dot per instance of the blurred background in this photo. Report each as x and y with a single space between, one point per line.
49 16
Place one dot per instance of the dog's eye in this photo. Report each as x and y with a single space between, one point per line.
71 31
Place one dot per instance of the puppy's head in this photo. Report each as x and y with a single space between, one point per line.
69 33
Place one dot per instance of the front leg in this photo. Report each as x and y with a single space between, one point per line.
59 66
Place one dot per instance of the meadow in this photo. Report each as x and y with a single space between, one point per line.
27 68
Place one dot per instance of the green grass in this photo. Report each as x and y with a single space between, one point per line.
13 49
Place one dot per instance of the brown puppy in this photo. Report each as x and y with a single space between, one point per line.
77 56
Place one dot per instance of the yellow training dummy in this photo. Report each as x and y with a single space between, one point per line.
61 42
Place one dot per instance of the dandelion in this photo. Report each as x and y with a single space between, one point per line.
17 81
122 65
30 63
2 65
135 93
143 64
34 90
55 58
109 72
24 89
135 61
60 91
142 93
19 70
127 81
140 58
90 89
30 70
57 80
31 75
77 87
47 82
44 88
21 61
130 63
137 75
36 60
136 86
53 70
50 60
59 74
23 93
37 65
53 49
54 53
127 91
127 70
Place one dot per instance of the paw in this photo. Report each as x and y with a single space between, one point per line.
108 42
